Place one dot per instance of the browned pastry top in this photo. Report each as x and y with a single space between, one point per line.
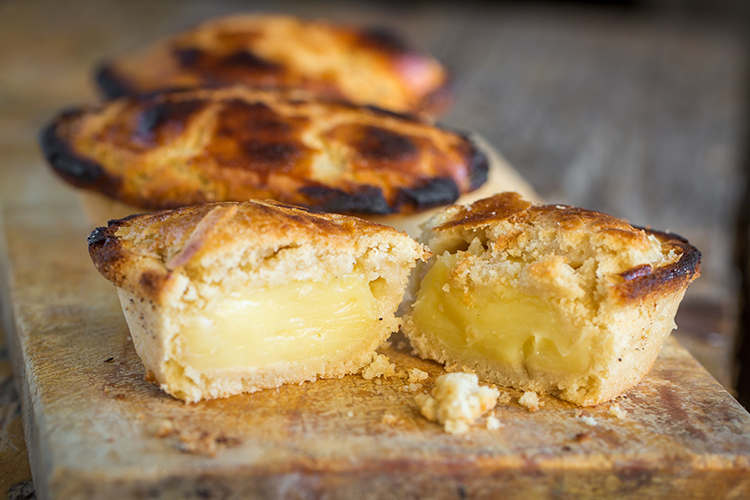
141 252
362 66
179 148
508 221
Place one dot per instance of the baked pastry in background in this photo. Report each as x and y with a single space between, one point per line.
235 297
181 148
359 65
547 298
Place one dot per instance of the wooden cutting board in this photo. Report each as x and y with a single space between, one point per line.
96 429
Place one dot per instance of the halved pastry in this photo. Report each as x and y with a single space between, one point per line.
228 298
364 66
547 298
174 149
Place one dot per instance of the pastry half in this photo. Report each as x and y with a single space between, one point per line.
227 298
173 149
364 66
548 298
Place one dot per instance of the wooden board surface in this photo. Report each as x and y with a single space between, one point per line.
96 429
628 110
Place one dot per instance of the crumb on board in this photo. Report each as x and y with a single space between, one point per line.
530 400
195 441
586 418
410 387
165 428
456 401
389 419
504 398
381 366
617 411
417 375
492 423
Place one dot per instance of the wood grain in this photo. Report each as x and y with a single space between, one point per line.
97 429
631 112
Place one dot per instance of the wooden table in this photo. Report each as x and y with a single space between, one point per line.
627 112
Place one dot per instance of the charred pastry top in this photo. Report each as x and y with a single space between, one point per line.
177 148
144 253
630 262
365 66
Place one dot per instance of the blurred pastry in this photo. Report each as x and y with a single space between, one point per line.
547 298
359 65
228 298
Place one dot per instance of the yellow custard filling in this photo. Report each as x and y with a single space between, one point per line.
294 322
498 323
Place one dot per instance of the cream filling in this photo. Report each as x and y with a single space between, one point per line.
497 323
297 322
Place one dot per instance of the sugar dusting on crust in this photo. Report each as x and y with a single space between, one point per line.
456 401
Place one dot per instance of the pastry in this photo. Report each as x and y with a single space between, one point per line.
547 298
227 298
359 65
180 148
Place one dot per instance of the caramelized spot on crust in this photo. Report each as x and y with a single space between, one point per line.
237 66
663 279
165 120
383 145
150 122
253 136
361 199
431 193
151 282
486 211
636 272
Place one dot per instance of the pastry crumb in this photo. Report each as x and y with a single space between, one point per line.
410 387
389 419
492 423
586 418
196 441
165 428
504 398
417 375
381 366
530 400
617 411
456 401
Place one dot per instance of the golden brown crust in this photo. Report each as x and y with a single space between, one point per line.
578 224
365 66
173 149
185 239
